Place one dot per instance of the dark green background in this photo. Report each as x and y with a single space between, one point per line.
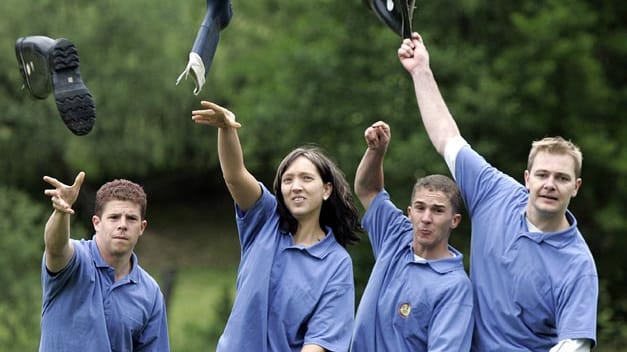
296 72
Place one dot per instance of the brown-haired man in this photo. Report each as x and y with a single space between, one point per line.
95 295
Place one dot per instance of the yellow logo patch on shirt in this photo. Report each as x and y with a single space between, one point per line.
404 310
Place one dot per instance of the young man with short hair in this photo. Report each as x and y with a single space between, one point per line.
96 297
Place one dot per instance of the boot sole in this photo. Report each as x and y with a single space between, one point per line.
74 100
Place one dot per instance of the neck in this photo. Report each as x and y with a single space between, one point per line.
431 253
122 268
308 233
548 223
120 264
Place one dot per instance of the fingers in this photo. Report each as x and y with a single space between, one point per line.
204 112
61 205
58 202
215 115
63 196
53 182
219 121
382 129
78 181
56 183
211 105
406 50
416 36
382 125
377 134
217 109
234 124
212 109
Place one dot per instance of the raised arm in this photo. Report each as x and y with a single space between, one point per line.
437 119
369 176
58 247
242 185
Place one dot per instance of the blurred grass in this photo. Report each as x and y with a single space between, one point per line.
194 244
195 313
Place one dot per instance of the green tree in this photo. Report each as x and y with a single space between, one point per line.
20 244
320 71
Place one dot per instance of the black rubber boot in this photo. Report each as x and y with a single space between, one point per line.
396 14
32 57
53 65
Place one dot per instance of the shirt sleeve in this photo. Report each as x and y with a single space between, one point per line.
483 186
53 283
385 223
575 311
452 148
250 222
572 345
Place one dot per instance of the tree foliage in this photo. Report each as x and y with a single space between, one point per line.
299 71
20 245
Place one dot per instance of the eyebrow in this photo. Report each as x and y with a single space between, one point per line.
127 215
437 206
300 173
558 173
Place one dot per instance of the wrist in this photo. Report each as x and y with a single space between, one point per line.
421 71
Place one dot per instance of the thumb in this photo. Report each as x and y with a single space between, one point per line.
78 181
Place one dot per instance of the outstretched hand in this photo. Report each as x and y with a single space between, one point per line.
64 196
215 115
413 53
378 135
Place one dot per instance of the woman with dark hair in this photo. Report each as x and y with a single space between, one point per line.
295 288
338 210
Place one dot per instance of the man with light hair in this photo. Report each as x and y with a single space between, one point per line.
534 279
556 145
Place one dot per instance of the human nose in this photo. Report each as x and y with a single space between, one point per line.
550 183
426 216
123 222
296 185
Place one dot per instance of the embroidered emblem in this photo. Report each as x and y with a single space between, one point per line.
404 310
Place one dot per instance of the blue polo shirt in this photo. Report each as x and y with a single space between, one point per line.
287 295
410 305
84 309
531 289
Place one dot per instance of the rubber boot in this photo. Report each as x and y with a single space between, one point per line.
217 17
396 14
49 65
32 57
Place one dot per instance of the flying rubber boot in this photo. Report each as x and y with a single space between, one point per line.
32 58
217 17
396 14
49 65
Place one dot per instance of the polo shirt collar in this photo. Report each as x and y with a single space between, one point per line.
319 250
557 239
100 263
442 265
